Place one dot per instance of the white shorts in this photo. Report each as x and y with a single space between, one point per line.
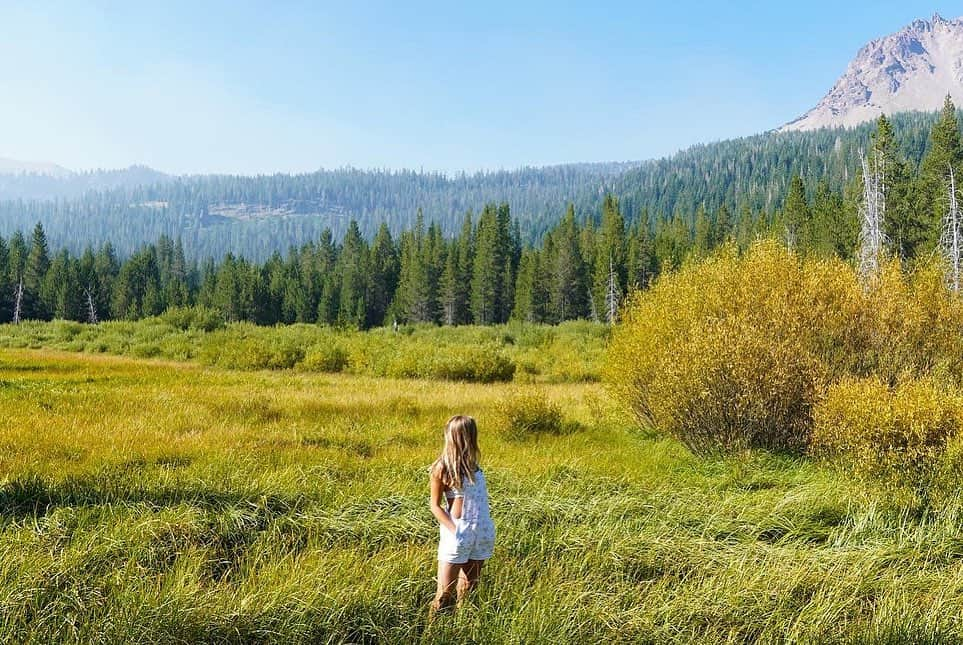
470 541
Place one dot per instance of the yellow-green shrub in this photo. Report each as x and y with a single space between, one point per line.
895 435
415 359
724 354
528 412
196 318
733 352
254 350
325 357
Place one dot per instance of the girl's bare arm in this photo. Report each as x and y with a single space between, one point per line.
440 513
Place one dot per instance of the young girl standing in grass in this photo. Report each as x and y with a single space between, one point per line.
467 532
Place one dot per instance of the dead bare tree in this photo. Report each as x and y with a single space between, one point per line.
18 302
612 295
872 239
951 237
91 307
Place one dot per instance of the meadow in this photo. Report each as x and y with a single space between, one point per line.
149 500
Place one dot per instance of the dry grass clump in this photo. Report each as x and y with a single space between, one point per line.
526 413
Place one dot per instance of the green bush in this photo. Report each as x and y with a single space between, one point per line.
250 350
526 413
896 436
449 362
325 357
193 318
566 353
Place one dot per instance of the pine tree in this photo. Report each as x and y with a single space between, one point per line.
466 254
672 243
106 268
610 251
904 227
450 287
507 264
6 285
487 279
722 230
326 258
383 274
352 267
796 215
531 295
702 233
433 260
943 152
60 290
567 276
413 298
35 269
832 230
640 259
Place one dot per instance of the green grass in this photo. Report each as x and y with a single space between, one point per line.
151 501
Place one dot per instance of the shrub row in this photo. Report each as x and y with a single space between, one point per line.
568 352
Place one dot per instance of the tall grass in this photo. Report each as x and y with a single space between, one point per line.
145 501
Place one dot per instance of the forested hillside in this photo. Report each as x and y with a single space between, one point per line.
486 272
255 216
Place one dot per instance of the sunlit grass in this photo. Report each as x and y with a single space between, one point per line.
145 501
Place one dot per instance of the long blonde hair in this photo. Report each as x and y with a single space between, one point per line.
459 458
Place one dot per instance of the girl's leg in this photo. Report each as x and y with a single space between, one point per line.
448 575
468 577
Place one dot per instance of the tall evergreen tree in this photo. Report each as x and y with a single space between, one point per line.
383 274
943 152
796 215
352 267
641 264
566 272
611 250
35 269
487 279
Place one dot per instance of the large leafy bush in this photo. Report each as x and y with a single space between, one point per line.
736 351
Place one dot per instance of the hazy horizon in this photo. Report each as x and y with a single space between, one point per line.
260 89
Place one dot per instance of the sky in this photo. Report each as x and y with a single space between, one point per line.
245 87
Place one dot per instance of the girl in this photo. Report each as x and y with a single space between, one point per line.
467 531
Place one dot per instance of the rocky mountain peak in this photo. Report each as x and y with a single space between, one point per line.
912 69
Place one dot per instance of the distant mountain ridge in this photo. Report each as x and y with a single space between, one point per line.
41 180
910 70
18 167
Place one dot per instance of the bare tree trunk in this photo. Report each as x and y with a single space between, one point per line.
872 239
91 308
18 302
951 237
612 295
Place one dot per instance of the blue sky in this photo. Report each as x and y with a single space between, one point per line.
285 86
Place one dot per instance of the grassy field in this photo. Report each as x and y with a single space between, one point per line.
152 501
